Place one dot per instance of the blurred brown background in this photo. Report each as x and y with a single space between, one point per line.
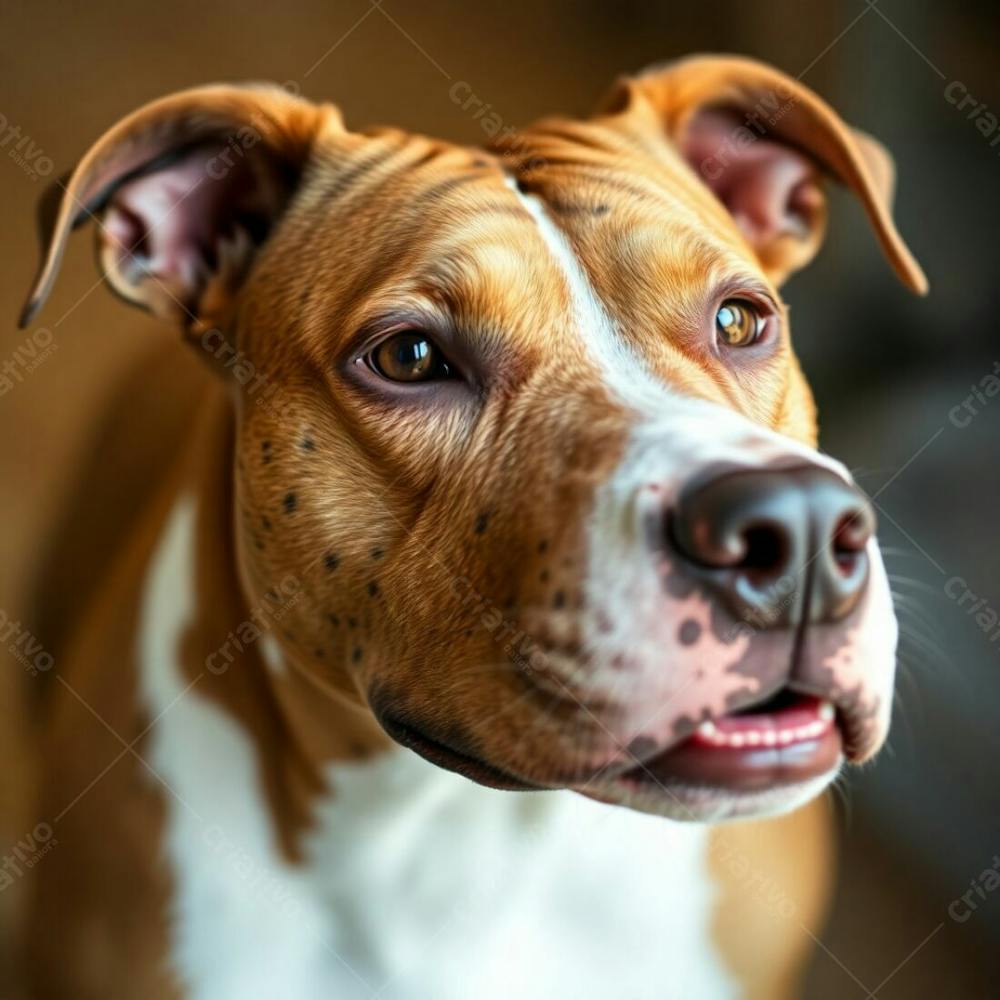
922 824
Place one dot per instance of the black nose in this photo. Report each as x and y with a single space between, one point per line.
779 546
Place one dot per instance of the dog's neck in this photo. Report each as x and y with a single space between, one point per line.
298 723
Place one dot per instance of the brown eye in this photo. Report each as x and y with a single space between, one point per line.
409 356
738 323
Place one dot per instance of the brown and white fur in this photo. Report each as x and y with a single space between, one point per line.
324 557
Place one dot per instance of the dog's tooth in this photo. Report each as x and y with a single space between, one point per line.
707 729
827 712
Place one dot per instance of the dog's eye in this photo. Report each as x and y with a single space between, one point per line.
408 356
739 323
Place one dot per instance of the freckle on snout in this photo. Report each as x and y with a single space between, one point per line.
290 502
642 748
689 632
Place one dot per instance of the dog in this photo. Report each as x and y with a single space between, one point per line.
486 568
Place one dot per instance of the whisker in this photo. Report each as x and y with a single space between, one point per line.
840 787
907 707
895 551
927 645
922 585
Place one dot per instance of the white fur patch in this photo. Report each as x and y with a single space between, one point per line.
419 884
271 654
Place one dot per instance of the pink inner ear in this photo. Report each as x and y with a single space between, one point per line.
770 189
167 223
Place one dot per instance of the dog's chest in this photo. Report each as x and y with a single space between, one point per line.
418 884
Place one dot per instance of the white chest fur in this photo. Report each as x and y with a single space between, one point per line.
419 885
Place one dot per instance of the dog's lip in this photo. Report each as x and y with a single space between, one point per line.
847 714
785 742
444 755
729 769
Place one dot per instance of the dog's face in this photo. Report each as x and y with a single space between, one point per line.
525 427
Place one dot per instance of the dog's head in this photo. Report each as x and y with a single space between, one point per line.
526 425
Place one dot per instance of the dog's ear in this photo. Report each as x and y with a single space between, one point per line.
760 140
183 191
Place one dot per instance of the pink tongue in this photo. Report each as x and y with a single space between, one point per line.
801 713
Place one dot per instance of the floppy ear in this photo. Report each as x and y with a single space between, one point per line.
760 140
183 191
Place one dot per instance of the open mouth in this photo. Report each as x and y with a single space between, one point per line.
787 740
764 758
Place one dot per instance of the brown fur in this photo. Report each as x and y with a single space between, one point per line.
374 510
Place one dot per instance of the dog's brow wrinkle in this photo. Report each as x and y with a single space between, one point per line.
340 184
443 188
576 208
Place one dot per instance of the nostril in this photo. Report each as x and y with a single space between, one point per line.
759 549
765 549
850 537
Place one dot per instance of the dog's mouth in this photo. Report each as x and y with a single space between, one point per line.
789 740
758 758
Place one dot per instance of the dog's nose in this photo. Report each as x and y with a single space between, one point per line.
779 546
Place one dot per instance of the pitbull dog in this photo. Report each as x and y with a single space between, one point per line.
506 459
